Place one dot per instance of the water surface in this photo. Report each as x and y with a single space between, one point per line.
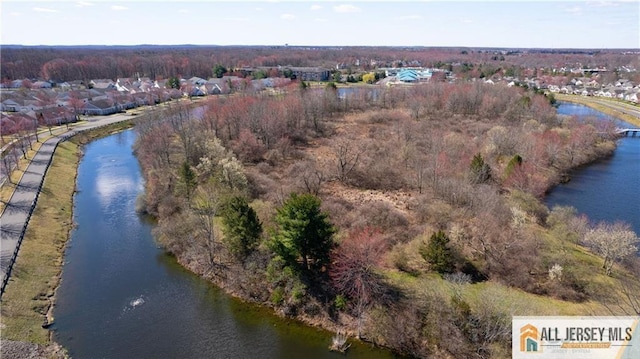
122 297
609 189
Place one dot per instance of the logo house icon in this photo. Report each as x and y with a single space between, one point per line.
528 338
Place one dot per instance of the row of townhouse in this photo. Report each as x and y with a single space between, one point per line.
21 106
15 122
622 90
99 97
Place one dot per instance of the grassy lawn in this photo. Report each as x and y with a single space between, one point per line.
575 259
6 191
36 273
30 292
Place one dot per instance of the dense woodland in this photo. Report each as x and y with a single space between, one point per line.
406 216
72 63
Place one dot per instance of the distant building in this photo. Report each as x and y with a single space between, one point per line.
407 75
310 73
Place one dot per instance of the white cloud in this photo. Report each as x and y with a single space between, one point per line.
573 10
83 4
320 19
409 17
346 8
287 16
183 11
119 7
315 7
15 13
113 182
44 9
466 21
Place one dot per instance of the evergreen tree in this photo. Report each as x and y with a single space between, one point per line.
437 253
242 228
304 232
480 171
188 178
173 82
219 71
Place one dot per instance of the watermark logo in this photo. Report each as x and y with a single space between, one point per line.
576 337
529 338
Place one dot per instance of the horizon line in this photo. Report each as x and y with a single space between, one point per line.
327 46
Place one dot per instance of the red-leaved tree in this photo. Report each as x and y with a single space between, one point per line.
354 269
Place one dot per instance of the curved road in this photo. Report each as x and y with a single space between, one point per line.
618 106
621 107
17 212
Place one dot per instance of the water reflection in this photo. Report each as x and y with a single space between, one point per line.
122 297
113 180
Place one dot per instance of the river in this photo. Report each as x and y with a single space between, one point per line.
122 297
609 189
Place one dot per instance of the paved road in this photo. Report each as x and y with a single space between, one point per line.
15 217
621 107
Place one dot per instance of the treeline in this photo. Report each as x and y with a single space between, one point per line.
316 204
161 62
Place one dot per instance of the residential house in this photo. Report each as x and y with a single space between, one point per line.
633 96
41 85
211 88
11 104
102 84
15 122
56 116
197 81
99 107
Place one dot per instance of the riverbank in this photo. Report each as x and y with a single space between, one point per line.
30 295
621 110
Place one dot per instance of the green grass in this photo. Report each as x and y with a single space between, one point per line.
589 102
37 270
30 292
575 259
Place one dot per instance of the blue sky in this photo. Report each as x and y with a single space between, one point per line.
543 24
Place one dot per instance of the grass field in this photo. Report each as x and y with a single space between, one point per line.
599 104
36 274
30 293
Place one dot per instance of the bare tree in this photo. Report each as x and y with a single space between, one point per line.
347 155
181 122
310 177
206 204
7 163
612 242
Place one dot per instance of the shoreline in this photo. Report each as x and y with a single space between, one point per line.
102 132
619 110
33 296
